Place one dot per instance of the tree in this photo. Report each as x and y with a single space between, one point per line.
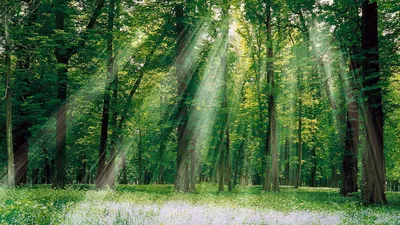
103 175
272 150
182 173
9 135
373 187
63 54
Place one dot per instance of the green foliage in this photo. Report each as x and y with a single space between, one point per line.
42 205
313 43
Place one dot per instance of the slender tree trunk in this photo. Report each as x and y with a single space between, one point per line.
297 181
89 177
111 167
373 189
61 128
228 160
193 164
82 171
100 177
9 136
163 137
287 160
160 160
221 168
236 168
21 156
47 168
313 182
35 176
224 132
23 67
350 154
272 142
140 154
182 77
124 178
187 181
102 172
221 147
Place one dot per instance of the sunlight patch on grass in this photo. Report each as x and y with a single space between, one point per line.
185 213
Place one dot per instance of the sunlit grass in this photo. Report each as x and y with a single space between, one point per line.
79 204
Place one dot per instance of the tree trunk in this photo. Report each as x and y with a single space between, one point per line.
9 136
47 168
297 181
228 160
111 172
373 189
163 137
224 133
350 154
221 168
193 165
22 130
35 176
123 178
313 182
63 55
272 142
82 170
182 78
61 128
140 157
111 169
103 174
21 155
287 160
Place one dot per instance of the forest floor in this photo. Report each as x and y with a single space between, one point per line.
159 204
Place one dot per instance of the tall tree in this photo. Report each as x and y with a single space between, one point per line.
9 135
102 177
297 181
373 188
25 84
223 146
272 150
182 77
350 154
63 54
350 150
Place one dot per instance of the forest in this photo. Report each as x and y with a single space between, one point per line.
200 112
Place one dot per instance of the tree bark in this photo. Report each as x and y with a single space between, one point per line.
9 135
47 168
193 164
22 129
82 170
272 142
182 78
350 154
221 168
313 182
373 187
140 154
103 172
297 181
287 160
228 160
124 173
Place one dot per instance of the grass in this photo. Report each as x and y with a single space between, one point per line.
127 204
